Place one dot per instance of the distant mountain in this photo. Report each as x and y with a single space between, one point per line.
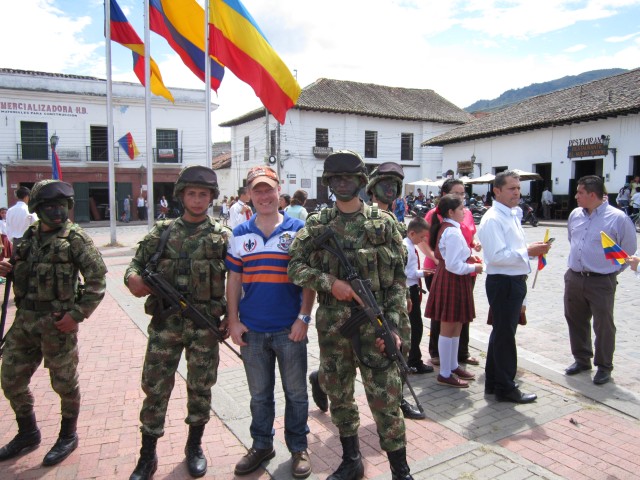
517 95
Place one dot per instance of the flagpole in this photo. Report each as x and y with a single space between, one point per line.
147 115
113 208
207 86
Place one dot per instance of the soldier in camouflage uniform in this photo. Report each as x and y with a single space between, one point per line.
373 245
193 261
50 306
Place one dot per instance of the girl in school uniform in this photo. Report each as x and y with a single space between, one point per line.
451 296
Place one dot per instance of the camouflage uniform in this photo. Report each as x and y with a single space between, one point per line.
46 286
194 263
373 246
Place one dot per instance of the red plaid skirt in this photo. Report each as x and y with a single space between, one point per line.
451 295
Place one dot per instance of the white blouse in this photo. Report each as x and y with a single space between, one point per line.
455 250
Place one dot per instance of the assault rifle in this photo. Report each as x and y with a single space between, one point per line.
5 304
370 310
162 289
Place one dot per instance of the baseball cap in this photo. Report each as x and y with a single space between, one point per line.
262 174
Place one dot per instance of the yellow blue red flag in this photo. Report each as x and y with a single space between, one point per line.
542 259
129 146
181 23
123 33
236 40
612 250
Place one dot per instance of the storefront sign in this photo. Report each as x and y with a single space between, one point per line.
33 108
588 147
465 167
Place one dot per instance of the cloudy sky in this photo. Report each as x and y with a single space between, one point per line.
465 50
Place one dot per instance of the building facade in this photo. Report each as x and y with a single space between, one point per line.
590 129
36 106
378 122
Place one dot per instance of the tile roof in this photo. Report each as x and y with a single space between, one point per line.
340 96
604 98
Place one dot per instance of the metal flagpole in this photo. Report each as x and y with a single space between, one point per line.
147 114
113 207
207 86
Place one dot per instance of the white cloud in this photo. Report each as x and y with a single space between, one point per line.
575 48
621 39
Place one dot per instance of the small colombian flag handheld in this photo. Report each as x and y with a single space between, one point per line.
542 259
612 250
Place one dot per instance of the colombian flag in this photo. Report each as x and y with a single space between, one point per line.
542 259
612 250
181 23
239 44
123 33
56 171
129 146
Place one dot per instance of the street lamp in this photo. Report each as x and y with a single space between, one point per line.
54 141
473 161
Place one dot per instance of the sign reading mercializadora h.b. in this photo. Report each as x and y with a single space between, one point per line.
33 108
588 147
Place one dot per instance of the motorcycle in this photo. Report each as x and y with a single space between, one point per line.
420 209
528 215
477 210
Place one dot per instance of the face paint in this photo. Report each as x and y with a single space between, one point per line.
345 187
54 214
385 191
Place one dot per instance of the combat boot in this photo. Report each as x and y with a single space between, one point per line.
319 397
27 439
148 463
196 461
67 442
351 467
399 467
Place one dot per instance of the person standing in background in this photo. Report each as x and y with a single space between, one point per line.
547 201
296 208
141 209
18 216
127 208
240 212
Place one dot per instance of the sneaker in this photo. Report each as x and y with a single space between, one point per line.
301 464
464 374
452 382
253 459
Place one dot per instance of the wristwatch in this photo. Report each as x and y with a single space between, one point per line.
305 318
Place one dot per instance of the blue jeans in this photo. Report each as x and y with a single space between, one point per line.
259 358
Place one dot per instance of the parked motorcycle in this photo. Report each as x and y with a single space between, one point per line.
477 210
420 209
528 215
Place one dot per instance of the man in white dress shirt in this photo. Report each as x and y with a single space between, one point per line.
240 212
18 216
506 255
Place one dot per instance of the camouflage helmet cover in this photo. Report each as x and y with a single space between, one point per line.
46 190
386 171
196 176
344 162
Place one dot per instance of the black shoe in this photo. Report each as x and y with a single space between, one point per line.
421 368
196 461
576 368
516 396
63 447
410 411
148 462
319 397
27 439
490 390
601 377
253 459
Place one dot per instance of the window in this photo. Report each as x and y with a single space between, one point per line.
406 146
246 149
167 146
99 144
35 140
370 144
273 147
322 137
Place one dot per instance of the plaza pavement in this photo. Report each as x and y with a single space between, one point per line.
574 430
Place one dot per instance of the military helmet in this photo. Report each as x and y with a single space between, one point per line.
197 176
386 171
46 190
344 162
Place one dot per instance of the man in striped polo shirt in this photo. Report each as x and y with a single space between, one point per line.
269 317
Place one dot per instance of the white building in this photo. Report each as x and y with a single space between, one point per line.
590 129
35 106
380 123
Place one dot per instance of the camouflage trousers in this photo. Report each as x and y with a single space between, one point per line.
337 375
167 339
33 337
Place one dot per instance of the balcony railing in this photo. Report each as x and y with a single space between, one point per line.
42 151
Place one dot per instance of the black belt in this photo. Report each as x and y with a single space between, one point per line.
591 274
512 277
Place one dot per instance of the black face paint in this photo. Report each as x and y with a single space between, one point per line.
345 187
54 214
385 191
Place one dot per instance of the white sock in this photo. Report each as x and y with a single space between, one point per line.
444 349
455 343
